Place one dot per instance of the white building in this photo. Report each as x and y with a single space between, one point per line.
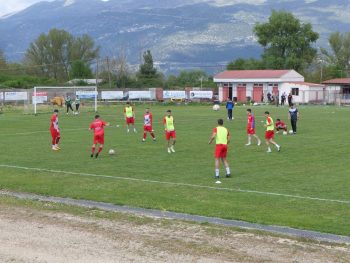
245 85
338 90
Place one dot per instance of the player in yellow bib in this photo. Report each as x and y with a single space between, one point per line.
129 115
169 128
270 132
222 137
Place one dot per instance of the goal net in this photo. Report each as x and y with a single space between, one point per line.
82 99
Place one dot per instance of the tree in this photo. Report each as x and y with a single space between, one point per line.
80 70
52 55
147 74
339 57
147 69
120 68
286 41
3 63
244 64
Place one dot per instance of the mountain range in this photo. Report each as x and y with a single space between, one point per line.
181 34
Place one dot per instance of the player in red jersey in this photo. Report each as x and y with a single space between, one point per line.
251 128
55 131
147 125
99 134
280 125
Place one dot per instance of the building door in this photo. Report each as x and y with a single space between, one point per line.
257 93
241 94
230 92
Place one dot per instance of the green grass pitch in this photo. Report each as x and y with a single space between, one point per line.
304 186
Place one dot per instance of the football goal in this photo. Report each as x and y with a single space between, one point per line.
46 99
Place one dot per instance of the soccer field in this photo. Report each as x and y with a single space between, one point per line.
305 186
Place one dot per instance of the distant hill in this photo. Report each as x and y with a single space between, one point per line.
180 33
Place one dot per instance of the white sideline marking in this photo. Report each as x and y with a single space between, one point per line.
176 184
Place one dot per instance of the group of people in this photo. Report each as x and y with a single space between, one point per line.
221 134
68 102
98 127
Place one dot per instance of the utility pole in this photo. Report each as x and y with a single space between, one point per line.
97 72
109 74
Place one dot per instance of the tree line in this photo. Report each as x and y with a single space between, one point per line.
56 57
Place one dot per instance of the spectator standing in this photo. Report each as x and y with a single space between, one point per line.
293 115
290 99
229 106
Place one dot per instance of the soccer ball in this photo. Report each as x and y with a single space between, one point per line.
216 107
284 133
291 132
111 152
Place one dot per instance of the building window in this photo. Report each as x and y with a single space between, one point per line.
295 91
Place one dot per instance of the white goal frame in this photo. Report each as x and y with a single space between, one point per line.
35 90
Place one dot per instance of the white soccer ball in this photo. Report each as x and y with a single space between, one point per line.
291 132
111 152
216 107
285 133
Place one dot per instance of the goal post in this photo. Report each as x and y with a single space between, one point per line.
45 99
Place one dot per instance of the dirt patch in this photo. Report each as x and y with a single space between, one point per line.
32 235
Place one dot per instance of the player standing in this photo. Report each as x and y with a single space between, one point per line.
99 134
129 115
270 133
147 125
222 137
251 128
68 102
55 131
169 127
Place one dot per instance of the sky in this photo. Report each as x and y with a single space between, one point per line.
9 6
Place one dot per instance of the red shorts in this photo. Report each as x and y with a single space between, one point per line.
269 134
99 139
147 128
281 127
170 134
220 151
130 120
55 133
251 131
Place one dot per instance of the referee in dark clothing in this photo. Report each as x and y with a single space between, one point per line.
293 115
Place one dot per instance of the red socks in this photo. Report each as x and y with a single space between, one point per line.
100 149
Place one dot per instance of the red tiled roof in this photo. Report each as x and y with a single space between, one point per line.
251 74
337 81
310 84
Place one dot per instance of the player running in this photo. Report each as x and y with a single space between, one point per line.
222 137
55 131
99 134
147 125
169 127
280 125
251 128
129 115
269 134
